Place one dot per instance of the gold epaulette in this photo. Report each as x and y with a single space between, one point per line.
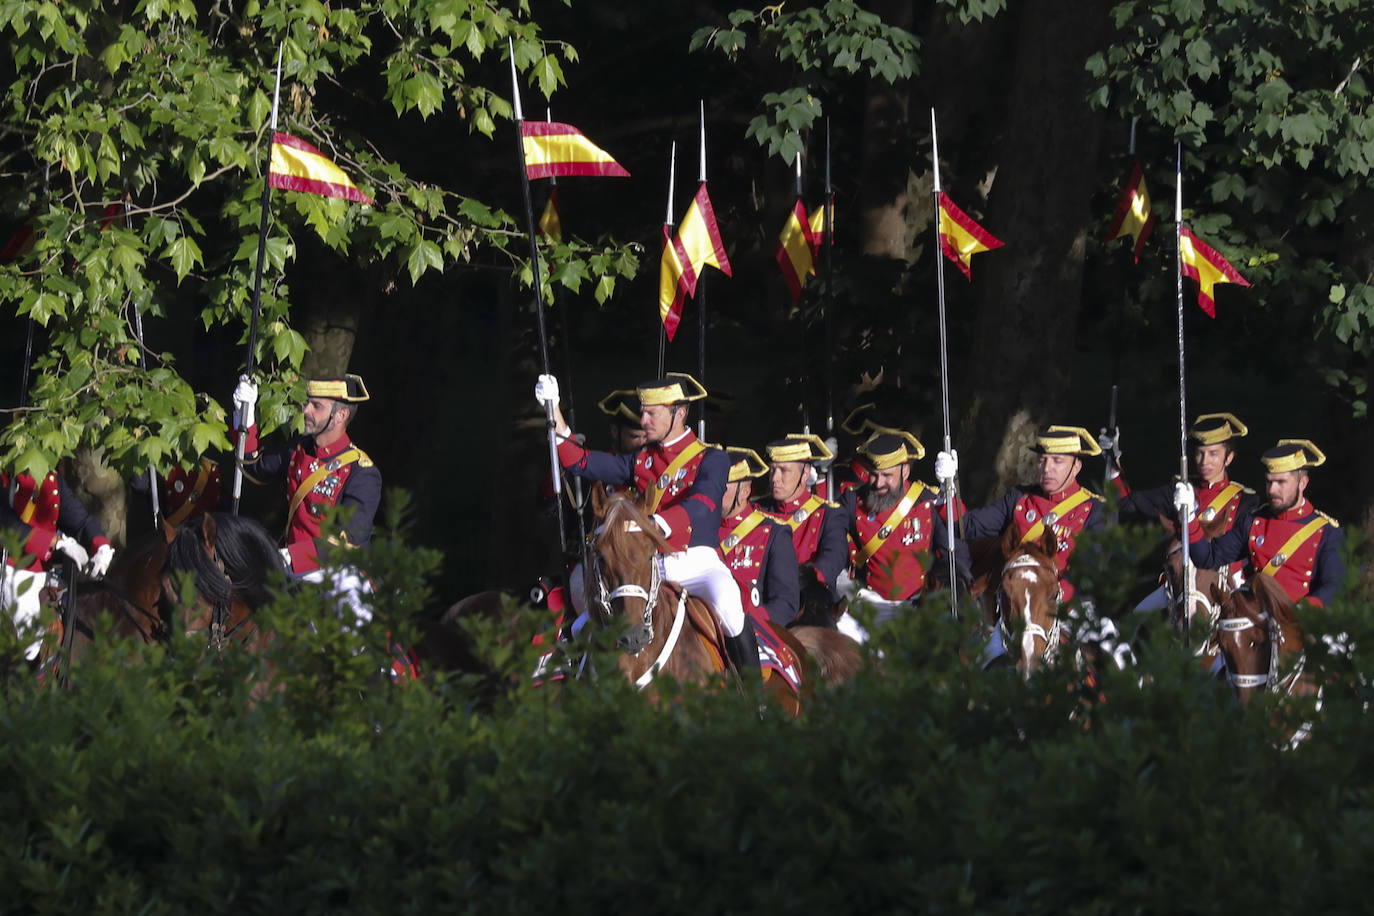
1329 520
363 460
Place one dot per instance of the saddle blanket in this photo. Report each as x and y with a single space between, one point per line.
775 656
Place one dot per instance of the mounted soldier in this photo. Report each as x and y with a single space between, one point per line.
817 525
1220 500
49 519
890 520
323 468
1287 537
1055 501
757 545
621 407
681 484
186 492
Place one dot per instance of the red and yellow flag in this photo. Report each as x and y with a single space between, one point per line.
1202 262
553 150
818 239
673 271
960 237
1133 215
699 240
550 222
796 251
298 166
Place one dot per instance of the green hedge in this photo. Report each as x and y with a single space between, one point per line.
159 787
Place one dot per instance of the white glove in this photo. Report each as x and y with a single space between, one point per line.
1184 501
285 558
1109 441
546 391
947 466
71 548
100 562
246 401
663 526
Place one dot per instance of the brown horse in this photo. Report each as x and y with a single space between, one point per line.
1260 641
1198 595
208 576
1025 603
672 631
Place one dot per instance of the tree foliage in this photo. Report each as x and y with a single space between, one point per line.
135 142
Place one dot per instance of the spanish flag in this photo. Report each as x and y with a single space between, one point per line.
796 251
553 150
298 166
818 236
699 240
1202 262
550 222
674 271
960 237
1133 216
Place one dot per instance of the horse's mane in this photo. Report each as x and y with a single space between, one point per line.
187 554
249 556
623 548
1273 598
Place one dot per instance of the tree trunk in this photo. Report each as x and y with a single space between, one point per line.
1030 292
886 160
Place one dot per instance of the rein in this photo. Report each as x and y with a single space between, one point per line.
1265 619
642 635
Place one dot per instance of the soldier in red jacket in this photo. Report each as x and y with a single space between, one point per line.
49 519
322 468
681 482
757 545
1288 538
817 525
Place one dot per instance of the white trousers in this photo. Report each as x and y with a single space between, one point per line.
887 609
700 570
349 587
20 596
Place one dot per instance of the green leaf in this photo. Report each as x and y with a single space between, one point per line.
423 256
185 255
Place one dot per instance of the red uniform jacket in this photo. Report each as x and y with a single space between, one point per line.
1313 568
763 562
40 512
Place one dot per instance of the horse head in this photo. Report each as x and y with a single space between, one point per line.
1028 599
1254 628
216 608
625 549
1200 594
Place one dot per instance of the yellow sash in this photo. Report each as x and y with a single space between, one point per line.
811 505
1065 506
894 518
654 495
742 530
343 460
1299 538
179 516
1219 501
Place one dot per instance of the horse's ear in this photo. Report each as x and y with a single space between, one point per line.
1009 540
1049 541
599 499
1218 596
169 531
1170 524
209 532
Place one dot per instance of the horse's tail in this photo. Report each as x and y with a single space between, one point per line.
249 556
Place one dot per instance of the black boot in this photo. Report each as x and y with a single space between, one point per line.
744 655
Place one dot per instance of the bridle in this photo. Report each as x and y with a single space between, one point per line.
1270 677
221 611
1193 596
642 635
1031 630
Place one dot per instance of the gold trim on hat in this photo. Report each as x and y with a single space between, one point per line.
1231 428
621 411
856 425
337 388
1305 455
901 455
800 447
745 464
1067 440
671 393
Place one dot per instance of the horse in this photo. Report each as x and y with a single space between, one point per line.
1198 595
228 561
1026 602
672 631
1259 639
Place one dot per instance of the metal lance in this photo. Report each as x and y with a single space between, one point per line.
535 276
142 358
1114 455
251 360
1185 513
949 491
